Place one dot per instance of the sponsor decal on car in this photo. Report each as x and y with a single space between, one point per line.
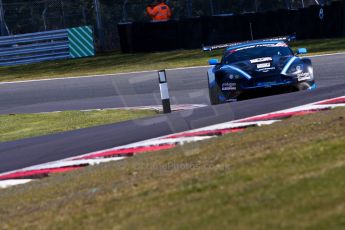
279 44
245 48
303 76
265 70
227 86
266 84
263 65
257 60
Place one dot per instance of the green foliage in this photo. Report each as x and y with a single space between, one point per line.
19 126
289 175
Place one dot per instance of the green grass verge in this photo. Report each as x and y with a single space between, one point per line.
19 126
289 175
117 62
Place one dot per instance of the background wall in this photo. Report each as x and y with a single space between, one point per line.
307 23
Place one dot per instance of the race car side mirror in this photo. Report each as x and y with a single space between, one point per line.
302 51
213 61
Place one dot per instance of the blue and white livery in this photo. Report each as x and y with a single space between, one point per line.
257 68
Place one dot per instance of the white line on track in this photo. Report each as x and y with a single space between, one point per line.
325 55
10 183
136 72
70 163
99 75
178 107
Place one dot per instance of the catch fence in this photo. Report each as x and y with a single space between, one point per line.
30 16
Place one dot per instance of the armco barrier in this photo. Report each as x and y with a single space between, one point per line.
45 46
210 30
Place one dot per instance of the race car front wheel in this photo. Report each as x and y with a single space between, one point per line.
214 95
303 86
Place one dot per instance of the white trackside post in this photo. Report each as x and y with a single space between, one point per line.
163 86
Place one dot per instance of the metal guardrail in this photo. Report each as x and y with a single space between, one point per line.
45 46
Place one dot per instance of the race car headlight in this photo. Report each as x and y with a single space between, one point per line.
234 76
311 72
296 69
235 73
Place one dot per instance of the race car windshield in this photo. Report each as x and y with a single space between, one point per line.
253 52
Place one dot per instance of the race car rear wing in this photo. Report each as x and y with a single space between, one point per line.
289 38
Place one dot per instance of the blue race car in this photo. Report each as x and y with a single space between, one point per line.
257 68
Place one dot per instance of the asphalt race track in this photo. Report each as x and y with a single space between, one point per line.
124 90
186 86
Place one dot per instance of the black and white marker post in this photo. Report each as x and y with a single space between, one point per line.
163 86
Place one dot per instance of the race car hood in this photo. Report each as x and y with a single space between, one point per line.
261 67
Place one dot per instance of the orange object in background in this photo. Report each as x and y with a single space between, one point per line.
160 12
